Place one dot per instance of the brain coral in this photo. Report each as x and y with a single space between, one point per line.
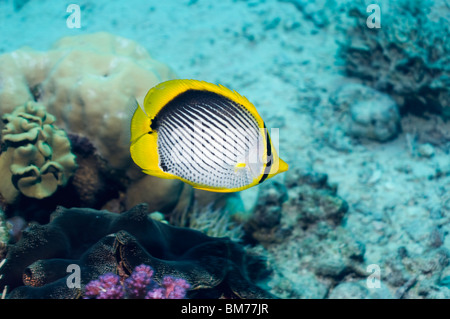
86 82
408 57
36 156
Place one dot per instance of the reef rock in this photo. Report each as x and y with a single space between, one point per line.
407 57
302 220
264 224
367 113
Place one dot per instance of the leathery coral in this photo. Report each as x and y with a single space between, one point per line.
36 156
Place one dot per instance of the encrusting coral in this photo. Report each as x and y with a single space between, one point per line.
36 156
117 243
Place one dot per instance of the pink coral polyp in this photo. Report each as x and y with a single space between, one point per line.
105 287
139 285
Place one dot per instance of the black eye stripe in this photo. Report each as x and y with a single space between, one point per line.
269 157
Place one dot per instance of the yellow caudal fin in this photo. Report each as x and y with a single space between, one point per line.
282 166
279 166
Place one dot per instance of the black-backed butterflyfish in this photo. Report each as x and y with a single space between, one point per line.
203 134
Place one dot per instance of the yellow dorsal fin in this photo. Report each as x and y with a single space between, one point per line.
164 92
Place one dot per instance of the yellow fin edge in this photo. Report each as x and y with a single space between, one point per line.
161 94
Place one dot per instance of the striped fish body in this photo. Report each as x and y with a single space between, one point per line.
203 134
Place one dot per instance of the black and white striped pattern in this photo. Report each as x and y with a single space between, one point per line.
203 135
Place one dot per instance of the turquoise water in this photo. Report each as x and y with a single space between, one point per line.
356 95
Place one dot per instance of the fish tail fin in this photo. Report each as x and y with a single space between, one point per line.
282 166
